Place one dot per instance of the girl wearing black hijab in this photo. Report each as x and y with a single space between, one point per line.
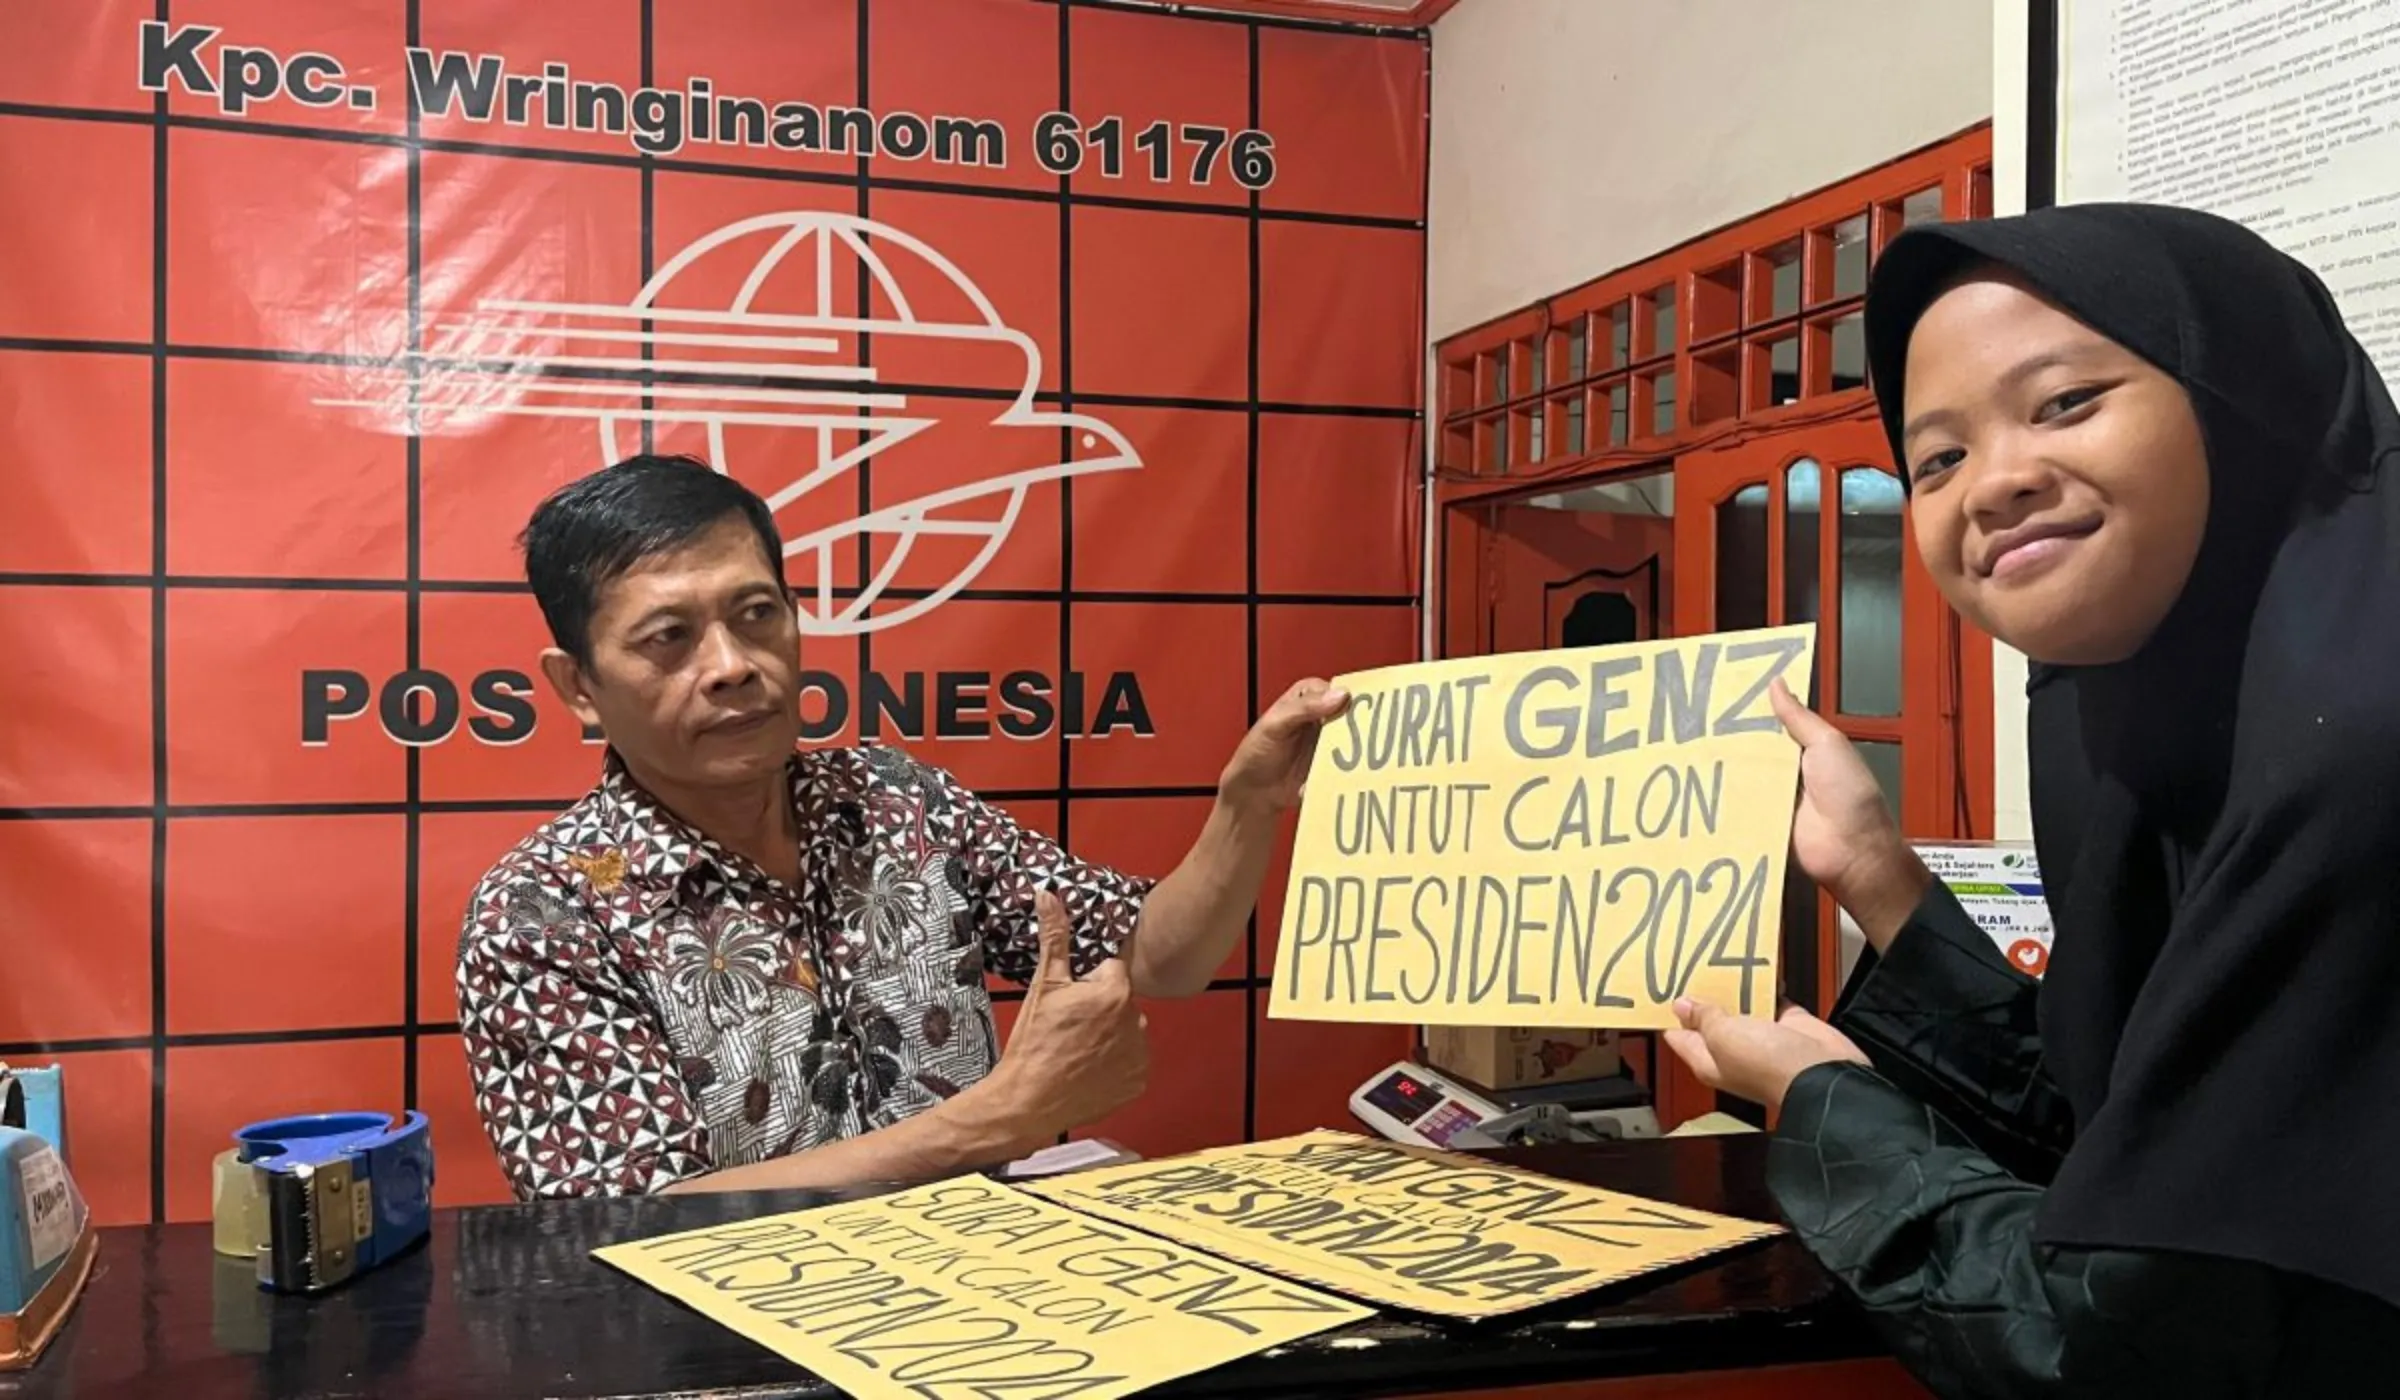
2141 447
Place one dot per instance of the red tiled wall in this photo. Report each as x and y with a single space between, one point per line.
209 921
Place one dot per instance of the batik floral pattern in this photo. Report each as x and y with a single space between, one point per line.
723 961
881 909
640 1005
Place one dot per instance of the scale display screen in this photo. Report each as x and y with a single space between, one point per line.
1404 1096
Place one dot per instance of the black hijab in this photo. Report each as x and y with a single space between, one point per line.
2218 817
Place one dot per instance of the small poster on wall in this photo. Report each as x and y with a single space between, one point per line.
2000 884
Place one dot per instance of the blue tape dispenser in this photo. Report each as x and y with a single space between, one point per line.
319 1200
46 1239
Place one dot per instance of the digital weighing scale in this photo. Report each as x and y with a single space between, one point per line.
1411 1103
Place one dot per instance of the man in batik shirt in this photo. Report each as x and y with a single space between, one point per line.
737 964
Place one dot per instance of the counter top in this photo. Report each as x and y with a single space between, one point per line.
506 1301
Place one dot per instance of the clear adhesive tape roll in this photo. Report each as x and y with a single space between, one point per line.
240 1206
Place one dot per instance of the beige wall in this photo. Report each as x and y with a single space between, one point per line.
2012 812
1573 137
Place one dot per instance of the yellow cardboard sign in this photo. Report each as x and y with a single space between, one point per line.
970 1289
1562 838
1405 1226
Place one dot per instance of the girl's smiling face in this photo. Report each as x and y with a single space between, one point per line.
2058 482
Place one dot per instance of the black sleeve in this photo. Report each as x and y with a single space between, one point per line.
1945 1018
1937 1242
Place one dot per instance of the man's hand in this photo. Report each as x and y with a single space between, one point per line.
1195 917
1755 1059
1080 1049
1843 836
1270 765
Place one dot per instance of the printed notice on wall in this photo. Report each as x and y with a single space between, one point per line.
1561 838
2281 114
1406 1226
1999 884
969 1289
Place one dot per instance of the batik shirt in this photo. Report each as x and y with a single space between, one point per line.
641 1005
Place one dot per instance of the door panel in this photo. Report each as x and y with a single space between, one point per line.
1809 525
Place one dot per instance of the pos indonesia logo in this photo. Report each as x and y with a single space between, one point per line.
770 384
752 335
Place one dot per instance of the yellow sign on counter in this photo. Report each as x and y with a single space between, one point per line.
1405 1226
1562 838
971 1289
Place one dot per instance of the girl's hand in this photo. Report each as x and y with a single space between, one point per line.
1755 1059
1843 836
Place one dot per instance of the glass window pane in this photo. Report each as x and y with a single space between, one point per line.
1620 335
1883 760
1575 426
1506 386
1536 423
1620 425
1783 371
1662 404
1578 350
1850 257
1850 352
1662 321
1537 363
1501 443
1802 492
1923 207
1741 594
1783 270
1870 592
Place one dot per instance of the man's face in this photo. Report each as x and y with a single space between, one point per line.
695 664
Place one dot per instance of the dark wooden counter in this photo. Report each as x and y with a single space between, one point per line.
506 1302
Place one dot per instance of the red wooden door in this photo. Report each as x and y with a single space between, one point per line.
1809 524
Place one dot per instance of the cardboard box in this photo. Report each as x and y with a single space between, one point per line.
1489 1057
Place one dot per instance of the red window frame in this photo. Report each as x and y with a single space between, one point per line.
1517 377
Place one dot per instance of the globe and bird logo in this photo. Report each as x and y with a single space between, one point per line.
749 334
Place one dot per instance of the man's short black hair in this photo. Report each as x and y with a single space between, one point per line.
588 533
